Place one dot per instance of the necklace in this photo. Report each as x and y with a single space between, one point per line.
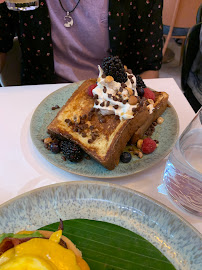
68 19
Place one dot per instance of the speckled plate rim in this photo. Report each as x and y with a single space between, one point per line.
107 202
100 172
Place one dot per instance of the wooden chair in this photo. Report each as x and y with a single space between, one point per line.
178 17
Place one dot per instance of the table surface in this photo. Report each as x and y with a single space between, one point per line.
22 168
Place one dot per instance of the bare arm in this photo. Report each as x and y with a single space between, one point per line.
150 74
2 61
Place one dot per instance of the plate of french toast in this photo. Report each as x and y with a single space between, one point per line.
110 126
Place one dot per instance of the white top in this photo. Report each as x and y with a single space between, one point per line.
23 168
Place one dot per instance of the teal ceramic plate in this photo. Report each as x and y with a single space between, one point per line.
168 232
165 133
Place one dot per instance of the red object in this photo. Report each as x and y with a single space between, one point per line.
148 146
149 94
90 89
10 242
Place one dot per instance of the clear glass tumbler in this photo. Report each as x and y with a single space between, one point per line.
22 5
183 172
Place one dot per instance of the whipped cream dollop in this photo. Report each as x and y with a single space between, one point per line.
112 97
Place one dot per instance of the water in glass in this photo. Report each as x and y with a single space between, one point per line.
183 171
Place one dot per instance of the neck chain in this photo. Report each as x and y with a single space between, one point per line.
68 19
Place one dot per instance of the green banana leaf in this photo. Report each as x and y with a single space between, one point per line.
111 247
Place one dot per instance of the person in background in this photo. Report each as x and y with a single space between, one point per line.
55 50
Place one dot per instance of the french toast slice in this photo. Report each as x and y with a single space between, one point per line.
103 137
160 105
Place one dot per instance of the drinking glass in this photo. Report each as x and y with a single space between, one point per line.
183 172
22 5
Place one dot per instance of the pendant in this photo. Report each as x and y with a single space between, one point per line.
69 21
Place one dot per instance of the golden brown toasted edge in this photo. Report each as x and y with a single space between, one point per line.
54 128
111 160
118 144
84 85
121 139
140 123
125 131
160 106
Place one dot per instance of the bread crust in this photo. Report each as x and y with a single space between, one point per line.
113 134
160 106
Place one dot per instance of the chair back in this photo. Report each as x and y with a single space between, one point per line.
185 15
179 14
191 48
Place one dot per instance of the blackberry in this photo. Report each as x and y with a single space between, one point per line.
139 82
71 151
112 66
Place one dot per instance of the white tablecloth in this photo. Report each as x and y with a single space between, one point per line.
22 168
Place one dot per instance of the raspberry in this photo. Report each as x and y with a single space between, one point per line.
90 89
148 94
148 146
